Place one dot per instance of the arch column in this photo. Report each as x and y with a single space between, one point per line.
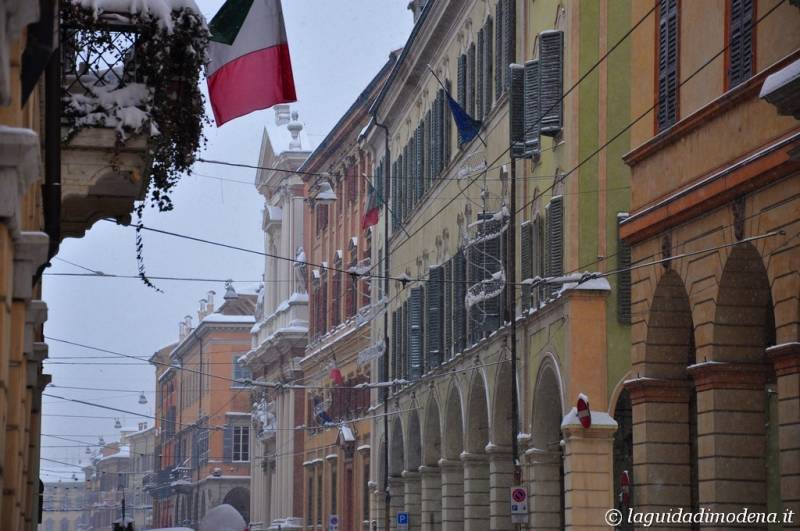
731 435
501 476
588 471
413 502
661 445
786 360
397 503
431 495
544 490
378 507
476 491
452 494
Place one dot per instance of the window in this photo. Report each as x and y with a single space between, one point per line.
240 372
667 65
241 443
322 218
202 446
740 41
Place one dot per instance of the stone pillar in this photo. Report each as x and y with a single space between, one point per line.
411 479
476 491
544 489
786 360
452 495
397 503
731 435
588 472
661 445
431 484
378 507
501 477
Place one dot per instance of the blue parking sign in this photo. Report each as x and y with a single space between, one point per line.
402 520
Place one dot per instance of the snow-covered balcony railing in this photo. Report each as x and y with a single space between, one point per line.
132 113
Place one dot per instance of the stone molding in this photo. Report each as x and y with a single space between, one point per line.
785 358
644 390
742 376
30 252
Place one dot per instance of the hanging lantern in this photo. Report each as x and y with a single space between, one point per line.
117 424
142 399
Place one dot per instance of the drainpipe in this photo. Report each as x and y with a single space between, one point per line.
385 376
51 189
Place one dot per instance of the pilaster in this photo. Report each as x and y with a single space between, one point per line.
501 477
431 486
452 495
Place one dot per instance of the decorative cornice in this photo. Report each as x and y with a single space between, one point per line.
729 376
785 358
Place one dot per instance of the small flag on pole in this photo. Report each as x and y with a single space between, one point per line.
371 208
468 127
249 66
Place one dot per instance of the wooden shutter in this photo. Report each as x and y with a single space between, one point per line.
526 262
399 208
395 342
740 41
440 132
509 37
434 303
498 49
516 111
624 276
462 81
532 110
378 181
227 443
538 255
405 340
667 113
551 88
415 316
409 178
459 293
447 119
435 138
419 174
471 80
447 307
487 66
429 146
479 77
555 236
395 197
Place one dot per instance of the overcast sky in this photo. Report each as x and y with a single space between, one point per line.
336 48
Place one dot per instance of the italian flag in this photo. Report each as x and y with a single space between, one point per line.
372 207
249 66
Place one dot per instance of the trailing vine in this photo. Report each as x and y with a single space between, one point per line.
151 87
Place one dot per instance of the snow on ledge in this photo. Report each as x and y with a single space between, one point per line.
221 318
600 419
161 10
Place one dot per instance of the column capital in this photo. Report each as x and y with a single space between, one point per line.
472 457
409 474
495 449
722 375
785 358
449 463
429 470
538 455
646 389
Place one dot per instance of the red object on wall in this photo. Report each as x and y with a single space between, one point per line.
584 413
336 376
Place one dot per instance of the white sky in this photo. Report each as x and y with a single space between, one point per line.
336 49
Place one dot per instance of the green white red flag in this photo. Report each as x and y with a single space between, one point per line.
371 208
249 66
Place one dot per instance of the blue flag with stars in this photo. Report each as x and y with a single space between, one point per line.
468 127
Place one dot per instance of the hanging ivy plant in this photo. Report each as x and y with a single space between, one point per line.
138 73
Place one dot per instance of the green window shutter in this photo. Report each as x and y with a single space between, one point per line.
667 113
378 182
434 303
399 196
551 72
227 443
447 310
406 336
532 109
395 342
499 68
509 37
538 255
428 147
471 80
447 119
459 293
422 183
419 177
479 77
415 337
526 262
555 236
409 178
462 81
516 111
436 138
487 66
740 41
624 276
440 132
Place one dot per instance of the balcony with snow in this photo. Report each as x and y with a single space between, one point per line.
132 113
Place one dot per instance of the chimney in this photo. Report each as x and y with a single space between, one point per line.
210 299
416 7
181 330
187 322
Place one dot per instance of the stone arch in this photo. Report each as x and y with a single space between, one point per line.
451 466
664 403
547 468
430 475
431 431
476 464
501 406
239 499
737 396
477 425
411 475
397 500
